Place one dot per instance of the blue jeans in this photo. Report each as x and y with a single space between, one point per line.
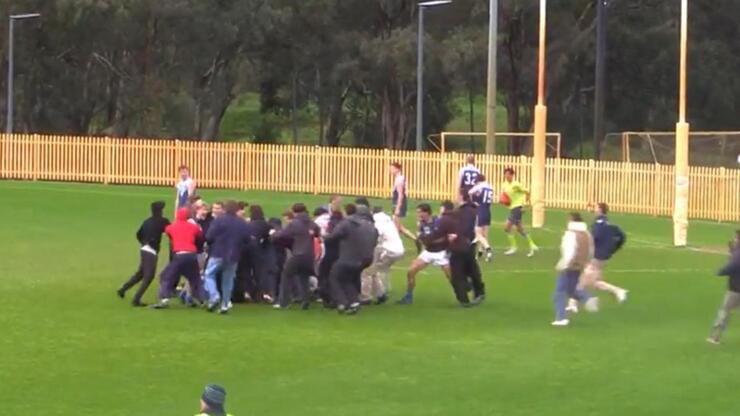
228 274
567 287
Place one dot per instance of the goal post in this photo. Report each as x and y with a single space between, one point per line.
449 141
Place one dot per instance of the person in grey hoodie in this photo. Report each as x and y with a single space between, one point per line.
732 296
357 238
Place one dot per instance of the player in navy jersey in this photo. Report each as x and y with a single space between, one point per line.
400 199
482 193
433 254
468 176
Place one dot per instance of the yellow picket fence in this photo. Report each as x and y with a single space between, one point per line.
570 184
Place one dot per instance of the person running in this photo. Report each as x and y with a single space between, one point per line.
732 296
149 236
576 250
434 252
185 187
608 239
482 194
400 200
375 282
468 176
515 195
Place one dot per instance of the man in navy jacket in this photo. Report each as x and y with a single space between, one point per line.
732 297
227 236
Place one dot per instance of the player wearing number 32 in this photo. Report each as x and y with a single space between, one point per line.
468 177
482 194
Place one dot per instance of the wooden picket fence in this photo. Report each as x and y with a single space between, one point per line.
570 184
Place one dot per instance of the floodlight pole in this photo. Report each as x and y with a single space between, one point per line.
11 66
540 129
681 205
492 70
420 71
600 76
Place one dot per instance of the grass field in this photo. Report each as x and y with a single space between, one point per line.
71 347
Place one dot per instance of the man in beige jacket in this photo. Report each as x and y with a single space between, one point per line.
576 251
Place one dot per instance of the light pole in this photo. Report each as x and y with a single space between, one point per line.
9 102
681 205
420 70
491 95
600 76
540 129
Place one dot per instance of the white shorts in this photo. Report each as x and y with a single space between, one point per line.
440 258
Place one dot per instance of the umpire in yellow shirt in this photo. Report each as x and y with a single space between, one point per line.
212 401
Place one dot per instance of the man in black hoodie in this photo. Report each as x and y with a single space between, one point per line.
357 239
465 269
300 232
149 236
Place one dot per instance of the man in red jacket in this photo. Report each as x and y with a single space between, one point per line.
186 239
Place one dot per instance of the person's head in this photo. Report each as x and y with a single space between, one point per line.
157 208
575 217
362 201
447 207
241 208
377 209
256 213
275 223
288 215
424 212
232 207
299 208
202 210
213 399
182 214
335 200
184 171
217 209
470 159
194 199
319 212
601 208
509 174
396 168
350 209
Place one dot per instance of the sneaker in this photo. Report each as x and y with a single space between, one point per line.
510 252
212 306
572 306
267 298
279 306
381 300
592 305
489 255
532 251
562 322
224 310
353 309
163 304
622 296
121 293
713 340
479 299
406 300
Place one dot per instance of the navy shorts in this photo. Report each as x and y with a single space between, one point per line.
515 215
484 216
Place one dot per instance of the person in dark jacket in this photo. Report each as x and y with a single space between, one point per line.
227 237
149 237
357 239
608 239
732 296
331 254
280 251
264 253
300 231
463 264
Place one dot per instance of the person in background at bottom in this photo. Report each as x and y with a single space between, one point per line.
357 238
576 251
149 236
227 237
732 296
186 240
213 401
375 282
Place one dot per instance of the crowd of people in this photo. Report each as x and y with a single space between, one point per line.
340 255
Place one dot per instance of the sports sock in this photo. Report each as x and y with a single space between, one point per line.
607 287
531 241
512 241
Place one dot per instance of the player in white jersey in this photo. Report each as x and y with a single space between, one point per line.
185 187
375 282
482 194
467 177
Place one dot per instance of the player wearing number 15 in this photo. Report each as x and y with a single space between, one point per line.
468 177
516 195
482 194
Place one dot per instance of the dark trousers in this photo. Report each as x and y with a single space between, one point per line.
325 267
465 274
185 264
244 282
346 283
264 272
144 274
296 272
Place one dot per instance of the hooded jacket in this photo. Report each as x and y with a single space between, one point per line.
357 238
732 270
576 247
227 237
185 237
300 231
150 231
448 225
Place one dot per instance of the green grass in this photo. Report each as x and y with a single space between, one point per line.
70 347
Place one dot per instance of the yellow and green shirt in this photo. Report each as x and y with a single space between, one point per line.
516 192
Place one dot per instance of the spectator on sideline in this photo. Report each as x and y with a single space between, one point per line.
732 296
212 401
